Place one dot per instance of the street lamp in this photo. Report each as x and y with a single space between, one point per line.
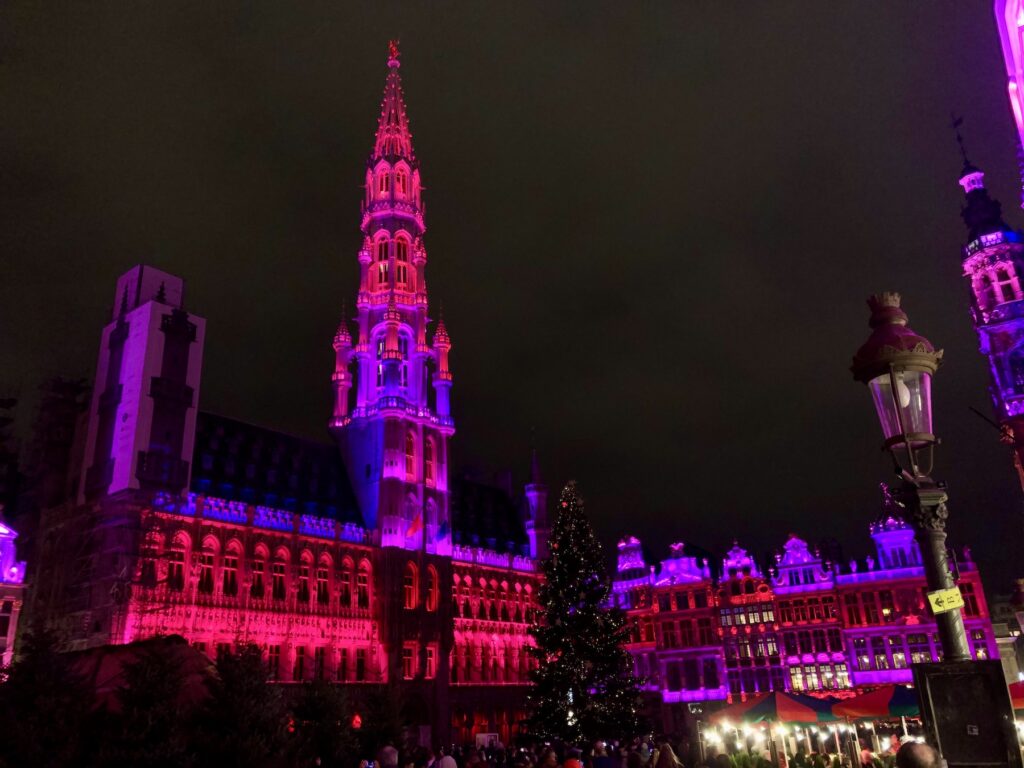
897 365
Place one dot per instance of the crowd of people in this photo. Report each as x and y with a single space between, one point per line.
637 754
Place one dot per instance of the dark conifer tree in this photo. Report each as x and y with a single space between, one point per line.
583 688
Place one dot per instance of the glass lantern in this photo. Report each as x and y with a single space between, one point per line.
903 400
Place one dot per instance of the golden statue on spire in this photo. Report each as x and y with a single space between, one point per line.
393 49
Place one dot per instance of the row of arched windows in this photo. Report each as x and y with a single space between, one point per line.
490 601
383 181
229 572
382 252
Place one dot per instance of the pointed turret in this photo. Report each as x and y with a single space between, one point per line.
982 214
536 491
393 139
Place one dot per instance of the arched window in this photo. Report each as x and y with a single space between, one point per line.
402 182
428 461
363 586
410 587
410 456
229 570
278 573
176 562
257 588
402 257
323 581
345 584
433 589
382 249
383 181
1005 289
305 568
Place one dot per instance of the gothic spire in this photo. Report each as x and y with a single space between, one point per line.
393 138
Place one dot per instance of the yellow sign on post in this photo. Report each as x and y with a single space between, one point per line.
943 600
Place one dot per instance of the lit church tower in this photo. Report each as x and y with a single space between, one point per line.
993 263
394 428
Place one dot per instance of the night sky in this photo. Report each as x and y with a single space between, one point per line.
652 227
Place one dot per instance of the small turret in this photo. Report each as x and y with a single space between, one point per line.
536 491
342 378
631 563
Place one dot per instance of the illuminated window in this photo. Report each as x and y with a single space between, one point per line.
363 588
878 650
920 649
403 351
256 590
304 583
431 668
1004 285
842 676
979 643
410 456
382 250
342 671
206 573
409 587
345 587
871 615
970 599
433 589
382 273
408 663
176 569
229 575
852 610
860 647
402 182
383 182
428 461
277 585
274 662
888 606
402 250
811 678
323 596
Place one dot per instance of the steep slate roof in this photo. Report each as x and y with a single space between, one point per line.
487 516
242 462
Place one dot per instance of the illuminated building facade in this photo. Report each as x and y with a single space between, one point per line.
12 592
806 624
360 560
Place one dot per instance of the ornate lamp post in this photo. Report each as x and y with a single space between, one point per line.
897 364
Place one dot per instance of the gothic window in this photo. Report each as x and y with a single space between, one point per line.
382 273
229 574
428 461
410 456
431 670
304 582
409 587
274 662
382 249
256 590
433 590
345 586
402 275
402 182
363 587
323 596
176 569
383 182
403 350
299 672
277 575
408 663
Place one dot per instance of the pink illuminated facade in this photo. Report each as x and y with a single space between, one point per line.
806 624
360 560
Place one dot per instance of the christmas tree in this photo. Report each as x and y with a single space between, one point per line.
583 688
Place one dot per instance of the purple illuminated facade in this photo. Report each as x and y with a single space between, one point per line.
806 624
12 592
360 559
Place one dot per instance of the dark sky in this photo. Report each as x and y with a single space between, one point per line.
652 226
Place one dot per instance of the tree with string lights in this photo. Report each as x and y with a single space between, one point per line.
583 688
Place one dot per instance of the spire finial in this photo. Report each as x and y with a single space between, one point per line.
955 121
393 53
